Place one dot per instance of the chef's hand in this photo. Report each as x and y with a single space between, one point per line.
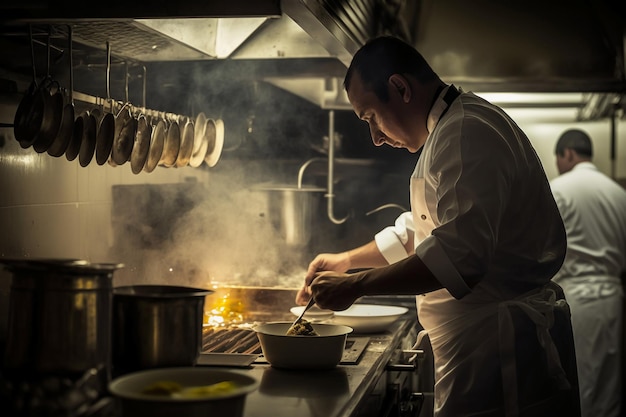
335 290
322 262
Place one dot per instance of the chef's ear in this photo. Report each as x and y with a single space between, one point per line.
400 84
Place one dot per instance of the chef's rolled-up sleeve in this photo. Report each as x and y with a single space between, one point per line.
391 240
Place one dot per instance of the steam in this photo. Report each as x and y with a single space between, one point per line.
200 235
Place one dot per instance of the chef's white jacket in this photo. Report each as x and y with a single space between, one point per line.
484 221
593 207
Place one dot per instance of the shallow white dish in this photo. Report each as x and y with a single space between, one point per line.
127 389
313 314
369 318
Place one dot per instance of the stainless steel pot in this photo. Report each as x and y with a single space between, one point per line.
156 326
59 316
291 209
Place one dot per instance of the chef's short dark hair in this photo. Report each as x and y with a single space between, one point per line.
577 140
384 56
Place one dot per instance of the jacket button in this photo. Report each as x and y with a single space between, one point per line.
423 216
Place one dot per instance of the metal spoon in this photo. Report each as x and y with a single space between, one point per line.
299 319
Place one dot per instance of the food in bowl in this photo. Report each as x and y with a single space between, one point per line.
302 352
176 390
205 392
302 328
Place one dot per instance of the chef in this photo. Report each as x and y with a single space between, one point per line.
479 248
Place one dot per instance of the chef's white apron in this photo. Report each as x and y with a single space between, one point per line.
596 302
481 342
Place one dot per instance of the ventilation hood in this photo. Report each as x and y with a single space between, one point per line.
304 46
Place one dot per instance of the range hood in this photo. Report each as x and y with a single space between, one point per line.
534 46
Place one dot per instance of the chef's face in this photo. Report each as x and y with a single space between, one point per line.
384 118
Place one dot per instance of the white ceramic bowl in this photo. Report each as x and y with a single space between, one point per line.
369 318
302 352
127 390
313 314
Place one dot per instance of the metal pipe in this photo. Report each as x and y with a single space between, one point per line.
304 166
331 169
386 206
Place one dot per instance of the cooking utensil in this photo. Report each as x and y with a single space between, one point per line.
126 129
156 326
139 154
59 316
369 318
106 127
88 143
172 145
302 352
29 114
301 316
214 150
66 131
291 210
199 125
53 108
186 143
208 135
128 390
312 314
73 148
157 141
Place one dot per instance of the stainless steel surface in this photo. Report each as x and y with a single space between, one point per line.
299 318
290 210
59 316
156 326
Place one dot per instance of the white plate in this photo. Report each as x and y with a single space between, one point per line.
369 318
314 313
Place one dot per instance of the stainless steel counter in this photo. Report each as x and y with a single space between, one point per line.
341 392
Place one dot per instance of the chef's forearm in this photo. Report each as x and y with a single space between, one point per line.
408 276
366 256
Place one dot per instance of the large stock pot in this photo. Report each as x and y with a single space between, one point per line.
59 316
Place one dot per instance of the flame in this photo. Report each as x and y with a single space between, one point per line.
226 310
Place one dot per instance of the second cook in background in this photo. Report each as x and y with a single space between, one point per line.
480 246
593 208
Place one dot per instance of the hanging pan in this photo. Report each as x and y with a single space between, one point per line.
53 108
157 141
29 114
88 142
186 142
141 147
66 131
172 144
106 127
